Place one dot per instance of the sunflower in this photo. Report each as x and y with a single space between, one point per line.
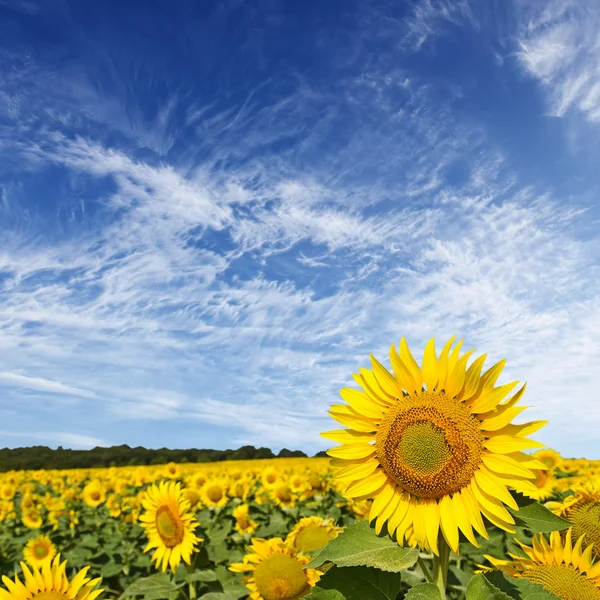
269 476
566 571
94 493
32 518
50 582
169 525
275 571
214 493
39 550
438 457
7 491
549 457
243 523
545 483
172 471
312 533
282 495
583 510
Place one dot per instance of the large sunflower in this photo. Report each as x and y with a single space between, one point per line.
275 571
434 457
565 570
50 583
169 525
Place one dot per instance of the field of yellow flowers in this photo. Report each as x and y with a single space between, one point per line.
136 528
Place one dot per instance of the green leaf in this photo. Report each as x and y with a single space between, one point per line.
202 575
480 588
155 587
358 545
423 591
318 593
532 591
110 569
537 518
231 587
360 583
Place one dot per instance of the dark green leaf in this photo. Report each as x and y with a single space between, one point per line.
362 583
536 517
358 545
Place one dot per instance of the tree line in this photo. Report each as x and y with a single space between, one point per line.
42 457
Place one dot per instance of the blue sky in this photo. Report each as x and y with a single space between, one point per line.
212 212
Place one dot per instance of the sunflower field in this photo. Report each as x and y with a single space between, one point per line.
433 493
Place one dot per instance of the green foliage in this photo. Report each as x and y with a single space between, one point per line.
359 546
537 518
359 583
423 591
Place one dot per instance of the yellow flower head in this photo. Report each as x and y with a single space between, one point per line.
169 525
583 510
243 523
50 582
214 493
32 518
275 571
565 570
437 456
549 457
312 533
39 550
94 493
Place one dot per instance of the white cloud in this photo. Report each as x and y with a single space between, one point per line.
559 44
42 385
74 441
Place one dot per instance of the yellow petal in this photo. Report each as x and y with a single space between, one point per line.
352 451
430 373
411 364
385 379
505 444
472 379
491 397
362 404
448 523
442 365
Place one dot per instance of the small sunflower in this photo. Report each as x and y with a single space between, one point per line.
549 457
169 525
94 494
282 495
172 471
275 571
214 493
243 522
312 533
50 582
32 518
39 550
545 484
269 476
583 510
434 457
566 571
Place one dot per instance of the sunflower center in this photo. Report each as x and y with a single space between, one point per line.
95 495
41 551
563 581
169 527
541 478
214 493
280 577
585 516
423 447
429 444
312 538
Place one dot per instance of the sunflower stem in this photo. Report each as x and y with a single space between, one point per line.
440 566
192 584
425 570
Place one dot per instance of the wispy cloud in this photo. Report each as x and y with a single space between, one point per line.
218 284
559 44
